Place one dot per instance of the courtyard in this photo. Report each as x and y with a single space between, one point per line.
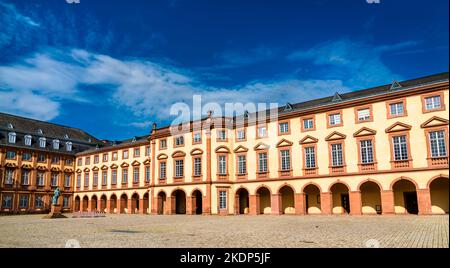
227 231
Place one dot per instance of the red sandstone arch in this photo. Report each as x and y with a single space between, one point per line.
263 186
178 201
369 180
123 203
405 195
370 197
103 201
436 177
403 178
134 203
286 185
242 201
311 183
161 202
336 182
313 198
263 199
439 194
113 203
77 204
196 202
286 199
94 202
340 197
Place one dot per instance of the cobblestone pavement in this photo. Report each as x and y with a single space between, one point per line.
233 231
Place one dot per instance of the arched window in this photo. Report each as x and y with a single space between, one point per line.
12 137
42 142
69 146
56 144
27 140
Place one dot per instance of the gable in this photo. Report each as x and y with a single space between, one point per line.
124 164
222 149
114 166
365 131
178 154
240 149
196 151
261 146
135 163
104 167
398 127
95 168
147 162
284 143
162 156
434 121
335 136
308 139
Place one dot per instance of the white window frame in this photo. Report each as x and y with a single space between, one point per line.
27 140
179 168
366 151
285 160
310 157
222 200
242 164
262 162
12 137
433 102
438 147
400 148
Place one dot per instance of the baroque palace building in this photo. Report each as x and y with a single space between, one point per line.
382 150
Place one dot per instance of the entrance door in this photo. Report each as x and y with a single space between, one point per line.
411 202
345 203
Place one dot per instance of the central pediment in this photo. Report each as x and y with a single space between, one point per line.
398 127
335 136
308 139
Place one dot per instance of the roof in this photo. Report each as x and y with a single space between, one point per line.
110 145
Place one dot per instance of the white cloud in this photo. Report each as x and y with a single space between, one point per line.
10 12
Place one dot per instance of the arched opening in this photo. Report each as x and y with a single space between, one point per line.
123 203
340 199
85 203
77 204
439 195
134 203
263 196
370 198
242 201
197 202
94 203
312 199
287 198
103 203
113 204
179 202
146 203
161 203
405 197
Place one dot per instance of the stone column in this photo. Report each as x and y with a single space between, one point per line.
325 203
387 202
300 204
254 204
275 204
130 206
108 206
424 201
355 203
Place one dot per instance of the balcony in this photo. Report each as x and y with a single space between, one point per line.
310 171
439 161
367 167
337 170
401 164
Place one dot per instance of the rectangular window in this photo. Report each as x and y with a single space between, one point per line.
162 170
26 157
56 144
432 103
285 160
114 176
69 162
136 175
86 179
23 201
79 161
137 152
242 164
124 176
54 181
163 144
87 160
41 158
39 201
179 141
114 156
366 148
262 165
197 166
364 114
284 127
95 182
310 157
10 155
40 178
262 132
25 177
335 119
104 177
397 109
7 201
66 180
28 140
336 155
222 135
179 168
9 176
222 165
12 137
147 151
42 142
78 180
125 154
308 123
96 159
222 199
241 134
66 201
147 174
55 160
400 148
197 137
105 157
437 144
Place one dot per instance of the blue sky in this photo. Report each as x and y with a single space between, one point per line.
112 67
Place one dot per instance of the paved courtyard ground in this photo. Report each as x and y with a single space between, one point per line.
232 231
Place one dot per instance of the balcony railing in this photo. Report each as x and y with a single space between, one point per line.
367 166
337 170
310 171
401 164
439 161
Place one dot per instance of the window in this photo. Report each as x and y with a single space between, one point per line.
222 165
162 170
136 175
125 154
366 148
163 144
105 157
137 152
104 177
65 201
397 109
284 128
56 144
26 157
40 178
55 160
69 162
197 137
79 180
67 180
25 177
364 114
114 156
400 148
285 160
437 144
179 168
179 141
39 201
79 162
222 135
27 140
7 201
124 175
334 119
147 174
42 142
308 124
95 182
23 201
262 132
241 134
87 160
242 164
147 151
54 180
96 159
432 103
197 166
69 146
337 155
86 179
114 176
12 137
262 162
41 158
222 199
310 157
10 155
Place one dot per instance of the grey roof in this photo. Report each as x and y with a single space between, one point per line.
108 145
25 126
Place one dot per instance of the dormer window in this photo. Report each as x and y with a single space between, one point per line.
42 142
56 144
66 136
12 137
40 132
10 126
27 140
69 146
